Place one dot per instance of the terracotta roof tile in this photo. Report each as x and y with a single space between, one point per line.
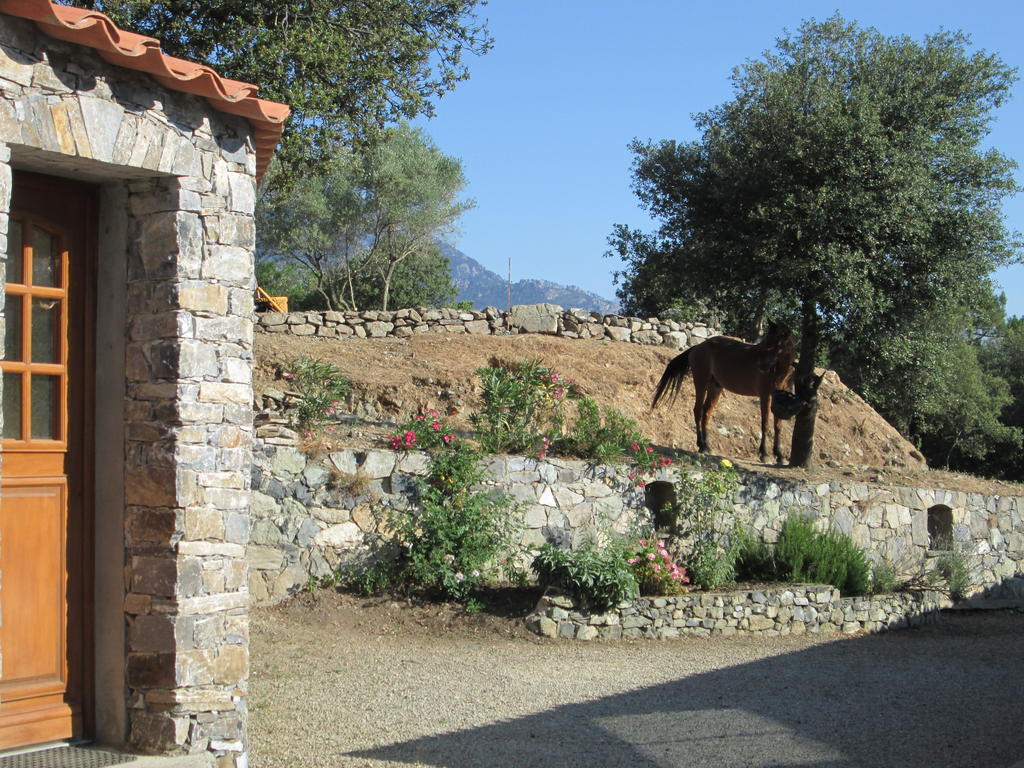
141 53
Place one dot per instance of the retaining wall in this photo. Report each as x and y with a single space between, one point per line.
794 609
527 318
312 515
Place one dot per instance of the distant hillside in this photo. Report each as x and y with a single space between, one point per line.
484 288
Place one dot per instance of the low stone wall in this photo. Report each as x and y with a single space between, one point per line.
311 515
790 610
527 318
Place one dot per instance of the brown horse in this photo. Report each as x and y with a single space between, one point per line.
723 362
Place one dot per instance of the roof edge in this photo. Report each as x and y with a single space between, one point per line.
143 54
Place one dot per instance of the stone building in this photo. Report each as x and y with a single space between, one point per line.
127 185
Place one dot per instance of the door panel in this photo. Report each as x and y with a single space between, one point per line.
45 491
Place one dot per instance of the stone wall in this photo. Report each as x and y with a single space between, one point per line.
311 515
528 318
790 610
176 185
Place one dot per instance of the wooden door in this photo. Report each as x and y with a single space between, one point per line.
45 492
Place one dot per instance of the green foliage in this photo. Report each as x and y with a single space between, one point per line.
455 537
710 545
822 558
845 183
422 280
345 69
520 402
364 226
320 387
598 578
287 279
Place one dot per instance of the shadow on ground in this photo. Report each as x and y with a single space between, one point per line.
936 697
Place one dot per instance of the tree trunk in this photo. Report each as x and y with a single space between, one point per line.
801 451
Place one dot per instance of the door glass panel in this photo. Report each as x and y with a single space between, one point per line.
46 330
45 259
12 331
45 407
12 406
15 270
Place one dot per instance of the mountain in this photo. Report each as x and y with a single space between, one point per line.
484 288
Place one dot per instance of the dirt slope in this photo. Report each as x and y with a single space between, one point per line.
393 378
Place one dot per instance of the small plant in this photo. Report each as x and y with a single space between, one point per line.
598 578
952 567
430 429
453 539
655 571
320 389
883 579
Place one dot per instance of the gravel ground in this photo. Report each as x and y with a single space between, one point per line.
335 685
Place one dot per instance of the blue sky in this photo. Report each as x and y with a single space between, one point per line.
542 126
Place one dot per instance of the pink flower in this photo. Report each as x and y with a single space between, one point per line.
633 560
650 556
448 438
436 425
649 449
642 542
641 484
636 447
420 417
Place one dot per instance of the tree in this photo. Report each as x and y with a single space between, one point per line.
846 175
367 219
346 69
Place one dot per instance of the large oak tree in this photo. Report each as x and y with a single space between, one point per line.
845 181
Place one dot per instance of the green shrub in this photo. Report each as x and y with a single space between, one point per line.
598 578
320 387
455 537
822 558
595 434
710 546
755 559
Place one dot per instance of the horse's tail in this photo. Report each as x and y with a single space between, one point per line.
672 378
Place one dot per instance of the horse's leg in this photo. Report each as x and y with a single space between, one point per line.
779 458
700 384
765 404
710 401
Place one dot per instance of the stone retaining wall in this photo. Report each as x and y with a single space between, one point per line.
312 515
790 610
527 318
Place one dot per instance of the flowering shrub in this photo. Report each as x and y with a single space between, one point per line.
454 537
655 571
647 462
521 404
320 389
430 429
